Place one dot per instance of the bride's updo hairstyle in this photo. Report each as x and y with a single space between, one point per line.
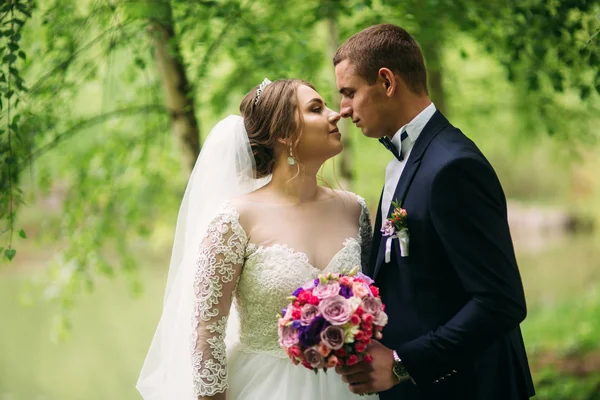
275 115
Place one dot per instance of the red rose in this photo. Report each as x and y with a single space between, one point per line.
368 358
374 290
314 300
359 311
296 313
295 351
352 360
366 340
360 335
367 318
341 352
355 319
360 347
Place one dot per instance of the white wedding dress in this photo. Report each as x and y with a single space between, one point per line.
257 271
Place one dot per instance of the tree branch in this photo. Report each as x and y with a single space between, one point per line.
98 119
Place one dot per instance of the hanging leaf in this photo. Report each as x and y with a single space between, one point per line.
22 234
10 254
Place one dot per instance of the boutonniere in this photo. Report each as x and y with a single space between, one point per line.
396 227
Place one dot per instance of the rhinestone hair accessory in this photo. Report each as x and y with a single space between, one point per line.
260 89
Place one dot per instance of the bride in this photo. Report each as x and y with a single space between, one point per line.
253 226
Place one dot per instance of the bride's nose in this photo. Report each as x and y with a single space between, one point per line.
334 117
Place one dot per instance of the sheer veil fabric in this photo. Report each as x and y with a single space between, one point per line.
224 170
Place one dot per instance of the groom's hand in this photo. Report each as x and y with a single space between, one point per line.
376 376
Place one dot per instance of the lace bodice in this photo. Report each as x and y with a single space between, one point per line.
259 278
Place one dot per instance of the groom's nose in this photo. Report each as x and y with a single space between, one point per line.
345 109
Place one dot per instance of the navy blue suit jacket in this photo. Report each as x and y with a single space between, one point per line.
456 301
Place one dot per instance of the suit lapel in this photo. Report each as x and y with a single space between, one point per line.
376 239
430 131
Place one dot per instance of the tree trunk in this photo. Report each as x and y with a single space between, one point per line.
432 50
178 94
346 163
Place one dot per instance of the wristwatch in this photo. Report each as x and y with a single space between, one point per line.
398 368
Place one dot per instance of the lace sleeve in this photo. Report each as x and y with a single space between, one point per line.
219 265
366 235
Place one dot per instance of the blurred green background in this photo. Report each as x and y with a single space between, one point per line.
102 104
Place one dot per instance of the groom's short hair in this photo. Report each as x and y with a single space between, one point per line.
388 46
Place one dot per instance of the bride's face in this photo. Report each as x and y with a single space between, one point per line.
320 138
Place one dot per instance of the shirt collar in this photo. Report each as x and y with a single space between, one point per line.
413 129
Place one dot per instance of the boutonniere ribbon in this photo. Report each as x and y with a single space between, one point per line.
396 227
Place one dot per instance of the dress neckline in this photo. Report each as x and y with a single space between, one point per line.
255 248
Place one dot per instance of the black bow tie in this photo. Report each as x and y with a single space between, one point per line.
387 143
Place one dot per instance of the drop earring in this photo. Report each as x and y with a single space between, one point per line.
291 159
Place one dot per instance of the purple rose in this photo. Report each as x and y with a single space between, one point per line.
372 305
346 292
297 291
296 324
309 285
388 228
336 310
313 357
288 336
327 290
309 312
365 278
333 337
311 335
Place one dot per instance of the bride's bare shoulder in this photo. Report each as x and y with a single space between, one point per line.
353 202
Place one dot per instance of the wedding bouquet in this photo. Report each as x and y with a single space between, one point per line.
331 320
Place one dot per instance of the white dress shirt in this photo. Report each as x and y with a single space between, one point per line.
394 169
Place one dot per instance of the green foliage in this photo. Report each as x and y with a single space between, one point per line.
13 145
92 133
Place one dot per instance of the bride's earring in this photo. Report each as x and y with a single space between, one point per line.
291 159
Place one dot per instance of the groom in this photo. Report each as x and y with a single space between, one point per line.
454 294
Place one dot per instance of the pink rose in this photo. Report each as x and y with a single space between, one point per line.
381 319
333 337
346 281
288 336
327 290
313 357
360 289
332 362
372 305
336 310
309 312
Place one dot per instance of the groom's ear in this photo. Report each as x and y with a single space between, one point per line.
388 80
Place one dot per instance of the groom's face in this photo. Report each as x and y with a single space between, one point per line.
361 102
